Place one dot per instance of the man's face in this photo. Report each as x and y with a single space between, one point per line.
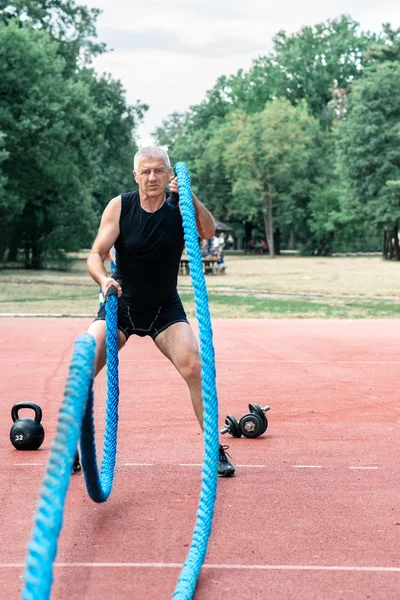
152 176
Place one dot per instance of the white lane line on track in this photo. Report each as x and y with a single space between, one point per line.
221 361
253 466
246 466
138 464
365 468
55 315
313 362
219 567
200 465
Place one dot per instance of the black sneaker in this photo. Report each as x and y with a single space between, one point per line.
225 469
77 463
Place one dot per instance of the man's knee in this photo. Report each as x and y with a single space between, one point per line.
122 339
191 368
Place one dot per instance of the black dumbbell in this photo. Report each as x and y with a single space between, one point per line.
251 425
232 427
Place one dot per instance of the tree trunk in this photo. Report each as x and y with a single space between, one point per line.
13 247
3 248
248 228
268 223
277 241
396 240
36 260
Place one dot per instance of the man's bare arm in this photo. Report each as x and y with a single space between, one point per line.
204 220
106 236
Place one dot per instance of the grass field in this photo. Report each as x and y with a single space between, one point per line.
288 286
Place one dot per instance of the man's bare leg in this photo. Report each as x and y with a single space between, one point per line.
98 330
179 344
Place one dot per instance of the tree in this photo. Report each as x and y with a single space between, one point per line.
69 134
388 47
3 202
118 123
72 25
171 130
307 65
319 59
52 135
369 144
269 160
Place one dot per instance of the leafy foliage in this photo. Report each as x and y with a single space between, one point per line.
275 131
370 148
67 134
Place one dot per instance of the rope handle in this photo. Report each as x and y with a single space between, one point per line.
112 290
174 197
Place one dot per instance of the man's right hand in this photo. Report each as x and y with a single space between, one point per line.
107 283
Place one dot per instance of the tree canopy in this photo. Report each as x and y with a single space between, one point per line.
289 129
67 134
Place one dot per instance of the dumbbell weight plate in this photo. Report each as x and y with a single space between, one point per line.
233 426
265 425
257 409
251 425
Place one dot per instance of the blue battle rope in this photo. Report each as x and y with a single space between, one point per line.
75 418
187 581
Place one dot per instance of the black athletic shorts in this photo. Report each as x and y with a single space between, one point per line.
142 321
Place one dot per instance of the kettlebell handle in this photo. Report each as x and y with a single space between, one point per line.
17 407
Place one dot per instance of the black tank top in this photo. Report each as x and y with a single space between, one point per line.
148 251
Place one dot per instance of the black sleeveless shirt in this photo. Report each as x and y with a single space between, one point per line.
148 251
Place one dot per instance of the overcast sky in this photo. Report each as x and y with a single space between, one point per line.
168 53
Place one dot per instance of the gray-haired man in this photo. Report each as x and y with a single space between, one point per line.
146 231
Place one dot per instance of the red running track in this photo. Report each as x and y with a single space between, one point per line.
313 512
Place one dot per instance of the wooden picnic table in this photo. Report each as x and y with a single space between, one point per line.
210 265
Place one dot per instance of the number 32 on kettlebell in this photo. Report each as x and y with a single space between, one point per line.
26 434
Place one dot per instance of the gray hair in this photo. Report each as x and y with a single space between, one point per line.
151 152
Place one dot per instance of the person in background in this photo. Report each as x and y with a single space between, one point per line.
221 241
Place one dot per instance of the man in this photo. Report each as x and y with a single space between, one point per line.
147 233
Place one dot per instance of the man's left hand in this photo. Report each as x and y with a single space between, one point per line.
173 185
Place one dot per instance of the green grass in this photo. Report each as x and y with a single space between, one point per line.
222 305
254 287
